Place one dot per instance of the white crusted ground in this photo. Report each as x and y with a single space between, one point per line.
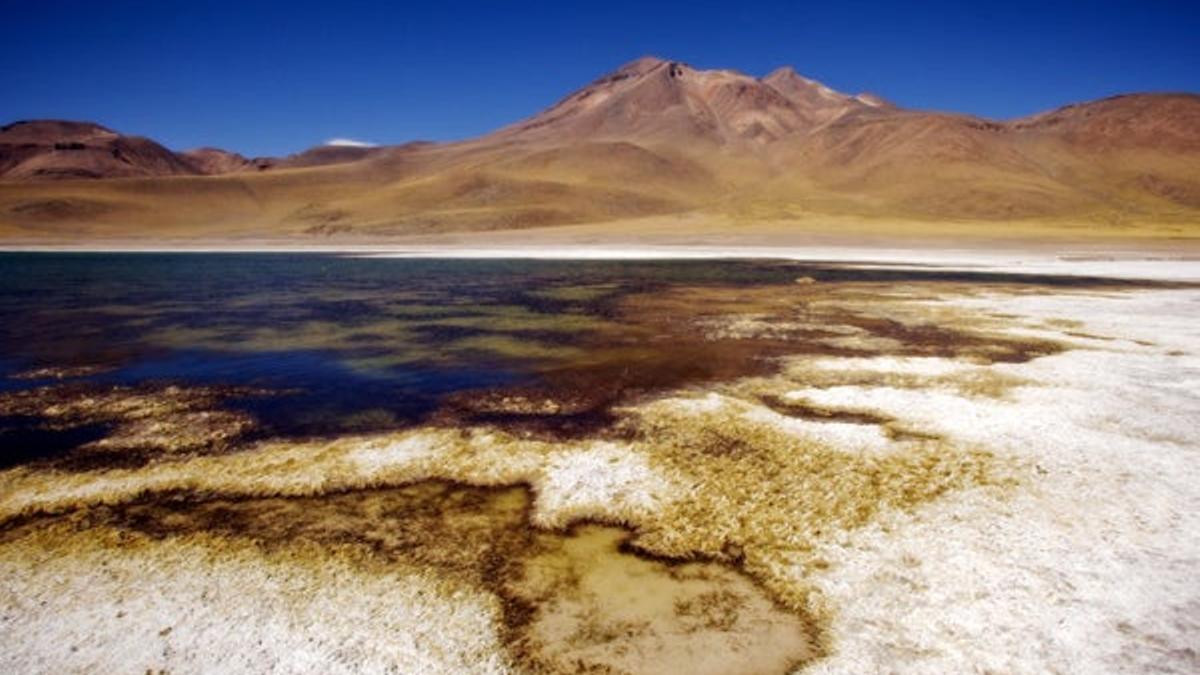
178 607
1093 564
597 479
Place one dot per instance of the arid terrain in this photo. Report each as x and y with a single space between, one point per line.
688 151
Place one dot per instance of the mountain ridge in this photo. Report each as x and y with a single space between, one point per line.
651 138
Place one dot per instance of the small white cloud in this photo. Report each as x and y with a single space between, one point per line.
350 143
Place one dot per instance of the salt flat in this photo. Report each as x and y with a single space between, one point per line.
939 476
1091 565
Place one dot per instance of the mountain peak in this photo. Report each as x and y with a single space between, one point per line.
641 66
38 131
791 83
781 73
65 149
867 98
655 100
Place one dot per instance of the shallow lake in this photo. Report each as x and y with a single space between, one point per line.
355 344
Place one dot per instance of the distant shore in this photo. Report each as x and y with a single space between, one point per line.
1127 259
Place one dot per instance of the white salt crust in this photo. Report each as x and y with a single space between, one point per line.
1091 564
896 365
601 478
868 439
180 608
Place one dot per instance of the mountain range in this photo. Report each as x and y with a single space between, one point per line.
655 138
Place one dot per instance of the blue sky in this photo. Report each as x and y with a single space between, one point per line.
269 78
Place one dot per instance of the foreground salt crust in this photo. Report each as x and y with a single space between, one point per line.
79 604
1091 564
600 478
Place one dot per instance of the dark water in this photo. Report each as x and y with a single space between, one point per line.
354 344
366 342
24 438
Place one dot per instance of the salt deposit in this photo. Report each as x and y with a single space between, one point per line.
1091 565
83 603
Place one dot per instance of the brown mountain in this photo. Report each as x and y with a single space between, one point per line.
329 154
60 150
215 161
55 149
667 103
656 138
817 103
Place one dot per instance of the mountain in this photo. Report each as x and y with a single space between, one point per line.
320 155
1160 122
667 103
215 161
56 149
817 103
63 150
655 138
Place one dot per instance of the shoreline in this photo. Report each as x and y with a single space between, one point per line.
1089 259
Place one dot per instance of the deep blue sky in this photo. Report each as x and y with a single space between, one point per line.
267 78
